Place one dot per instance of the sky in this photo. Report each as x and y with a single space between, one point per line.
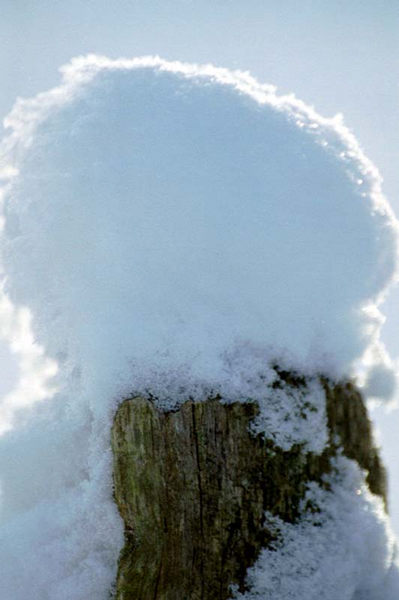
338 56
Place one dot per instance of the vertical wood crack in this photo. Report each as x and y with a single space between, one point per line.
200 492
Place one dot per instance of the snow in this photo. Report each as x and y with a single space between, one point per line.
381 382
344 550
169 229
289 414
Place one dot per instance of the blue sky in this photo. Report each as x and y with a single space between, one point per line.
339 56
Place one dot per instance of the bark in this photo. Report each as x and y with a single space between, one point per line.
193 485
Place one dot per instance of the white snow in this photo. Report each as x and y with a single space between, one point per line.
289 415
342 548
168 229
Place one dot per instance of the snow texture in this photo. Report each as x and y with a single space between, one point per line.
341 548
289 414
175 230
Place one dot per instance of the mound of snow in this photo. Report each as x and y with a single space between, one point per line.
164 223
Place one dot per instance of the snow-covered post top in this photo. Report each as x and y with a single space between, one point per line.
192 214
173 231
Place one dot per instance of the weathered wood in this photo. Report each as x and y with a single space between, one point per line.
348 419
192 487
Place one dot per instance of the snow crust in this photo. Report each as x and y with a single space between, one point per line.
175 230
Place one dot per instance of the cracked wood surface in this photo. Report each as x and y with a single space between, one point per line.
192 487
